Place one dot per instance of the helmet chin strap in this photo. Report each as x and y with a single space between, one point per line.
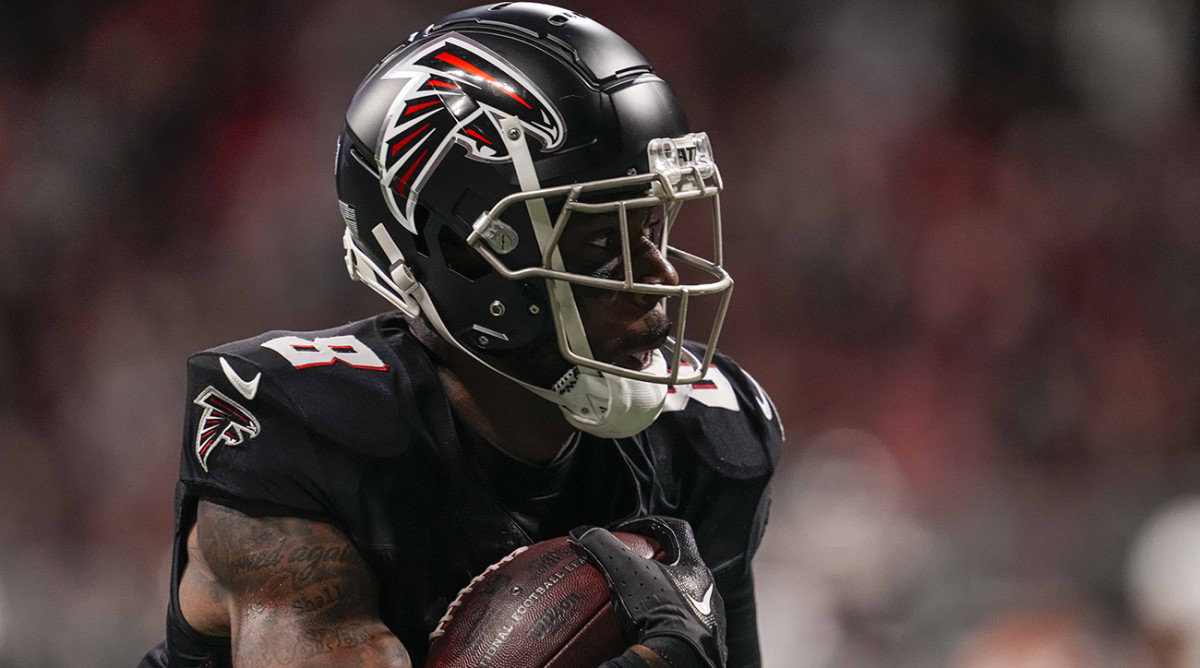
616 406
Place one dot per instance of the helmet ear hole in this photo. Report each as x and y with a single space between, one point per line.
461 258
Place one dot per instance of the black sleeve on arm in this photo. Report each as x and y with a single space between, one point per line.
741 618
627 660
676 652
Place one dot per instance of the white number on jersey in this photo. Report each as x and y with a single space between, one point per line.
713 390
323 351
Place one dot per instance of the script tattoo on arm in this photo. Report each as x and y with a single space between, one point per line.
298 592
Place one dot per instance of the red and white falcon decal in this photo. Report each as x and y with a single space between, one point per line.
223 421
456 91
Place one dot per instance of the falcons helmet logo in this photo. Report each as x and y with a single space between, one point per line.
455 92
223 421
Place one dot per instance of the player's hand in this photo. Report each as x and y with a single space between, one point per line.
675 597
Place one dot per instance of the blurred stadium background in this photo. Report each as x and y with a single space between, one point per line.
965 235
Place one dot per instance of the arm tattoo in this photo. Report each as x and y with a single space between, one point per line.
267 560
300 591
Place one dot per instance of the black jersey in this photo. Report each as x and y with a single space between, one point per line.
351 426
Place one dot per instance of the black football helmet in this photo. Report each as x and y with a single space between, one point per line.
465 153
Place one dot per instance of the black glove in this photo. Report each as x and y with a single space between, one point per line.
674 598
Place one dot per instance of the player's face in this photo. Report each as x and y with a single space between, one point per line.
623 328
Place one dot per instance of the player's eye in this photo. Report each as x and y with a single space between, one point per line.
602 240
608 238
653 226
651 229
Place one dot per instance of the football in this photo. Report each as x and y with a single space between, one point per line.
542 606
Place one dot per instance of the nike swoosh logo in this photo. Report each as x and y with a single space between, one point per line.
764 406
764 403
703 606
245 388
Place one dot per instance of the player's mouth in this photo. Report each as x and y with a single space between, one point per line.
640 357
636 362
629 334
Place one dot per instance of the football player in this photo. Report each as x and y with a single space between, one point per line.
511 180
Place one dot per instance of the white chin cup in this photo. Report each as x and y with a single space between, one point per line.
612 406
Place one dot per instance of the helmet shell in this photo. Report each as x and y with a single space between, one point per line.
421 154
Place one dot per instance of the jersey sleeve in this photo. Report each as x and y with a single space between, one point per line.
294 423
254 452
760 418
728 420
725 438
746 441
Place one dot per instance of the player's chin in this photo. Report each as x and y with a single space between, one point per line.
636 351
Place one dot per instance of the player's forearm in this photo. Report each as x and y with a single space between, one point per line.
367 644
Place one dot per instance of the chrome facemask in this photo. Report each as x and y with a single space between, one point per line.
681 170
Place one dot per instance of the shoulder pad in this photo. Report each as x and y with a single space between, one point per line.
344 384
727 418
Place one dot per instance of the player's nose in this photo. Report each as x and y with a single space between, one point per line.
651 266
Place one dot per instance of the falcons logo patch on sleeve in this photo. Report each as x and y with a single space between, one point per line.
223 421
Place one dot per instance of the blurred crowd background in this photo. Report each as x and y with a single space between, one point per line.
965 238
